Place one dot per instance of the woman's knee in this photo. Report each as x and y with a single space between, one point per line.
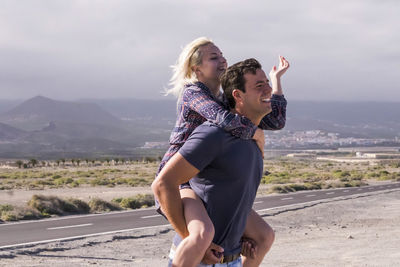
202 232
260 231
200 227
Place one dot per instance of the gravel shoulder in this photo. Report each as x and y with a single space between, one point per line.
359 231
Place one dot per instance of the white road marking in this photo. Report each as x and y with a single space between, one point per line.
330 193
286 198
151 216
359 189
345 191
81 236
79 216
310 195
258 202
69 226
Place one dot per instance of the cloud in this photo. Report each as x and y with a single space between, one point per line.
83 49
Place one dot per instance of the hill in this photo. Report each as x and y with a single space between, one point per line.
8 132
92 126
35 113
43 126
352 119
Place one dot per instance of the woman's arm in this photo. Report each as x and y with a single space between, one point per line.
203 103
277 118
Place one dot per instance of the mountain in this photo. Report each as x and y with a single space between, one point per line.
138 108
7 104
348 113
43 126
8 133
350 119
37 112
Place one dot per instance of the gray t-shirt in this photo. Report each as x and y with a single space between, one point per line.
230 172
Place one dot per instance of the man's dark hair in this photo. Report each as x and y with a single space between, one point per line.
233 77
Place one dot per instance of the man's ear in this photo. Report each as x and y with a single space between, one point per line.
237 95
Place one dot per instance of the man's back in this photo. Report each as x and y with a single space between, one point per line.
231 169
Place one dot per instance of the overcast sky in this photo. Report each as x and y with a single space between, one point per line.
338 50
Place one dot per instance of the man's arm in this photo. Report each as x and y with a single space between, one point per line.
166 189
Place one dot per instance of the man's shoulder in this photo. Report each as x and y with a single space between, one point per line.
210 130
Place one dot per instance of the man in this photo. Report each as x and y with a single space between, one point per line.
226 170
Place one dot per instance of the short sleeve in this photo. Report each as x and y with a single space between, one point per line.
203 145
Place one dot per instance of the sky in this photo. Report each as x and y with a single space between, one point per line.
67 50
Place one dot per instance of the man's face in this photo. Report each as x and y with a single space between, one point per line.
256 99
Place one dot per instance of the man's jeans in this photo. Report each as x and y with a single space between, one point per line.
235 263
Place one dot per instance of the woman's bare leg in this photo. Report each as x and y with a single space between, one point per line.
263 236
201 231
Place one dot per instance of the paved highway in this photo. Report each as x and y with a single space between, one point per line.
72 227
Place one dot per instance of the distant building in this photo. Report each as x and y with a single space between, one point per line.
160 145
300 155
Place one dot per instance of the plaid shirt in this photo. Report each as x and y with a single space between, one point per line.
198 104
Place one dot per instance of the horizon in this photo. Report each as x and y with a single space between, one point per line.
169 98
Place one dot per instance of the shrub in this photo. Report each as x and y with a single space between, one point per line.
98 205
63 181
5 207
296 187
139 201
81 206
10 213
101 181
276 178
47 205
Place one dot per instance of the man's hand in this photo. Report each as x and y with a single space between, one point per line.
260 140
276 73
213 254
249 248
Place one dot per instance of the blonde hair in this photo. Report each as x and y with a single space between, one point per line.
182 70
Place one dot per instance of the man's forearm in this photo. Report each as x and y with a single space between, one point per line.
171 205
166 188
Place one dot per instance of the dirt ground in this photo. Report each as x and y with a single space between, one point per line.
358 231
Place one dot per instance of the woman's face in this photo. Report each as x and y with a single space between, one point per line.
213 64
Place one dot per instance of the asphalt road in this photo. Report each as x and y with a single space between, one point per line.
73 227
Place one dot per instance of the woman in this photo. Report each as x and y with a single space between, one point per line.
196 84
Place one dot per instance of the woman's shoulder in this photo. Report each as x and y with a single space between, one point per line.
196 87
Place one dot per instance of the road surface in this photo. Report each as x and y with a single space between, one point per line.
72 227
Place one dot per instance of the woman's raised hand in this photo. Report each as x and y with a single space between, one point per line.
282 68
275 75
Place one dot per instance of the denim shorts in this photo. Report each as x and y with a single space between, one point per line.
235 263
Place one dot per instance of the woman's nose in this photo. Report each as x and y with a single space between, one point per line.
223 59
